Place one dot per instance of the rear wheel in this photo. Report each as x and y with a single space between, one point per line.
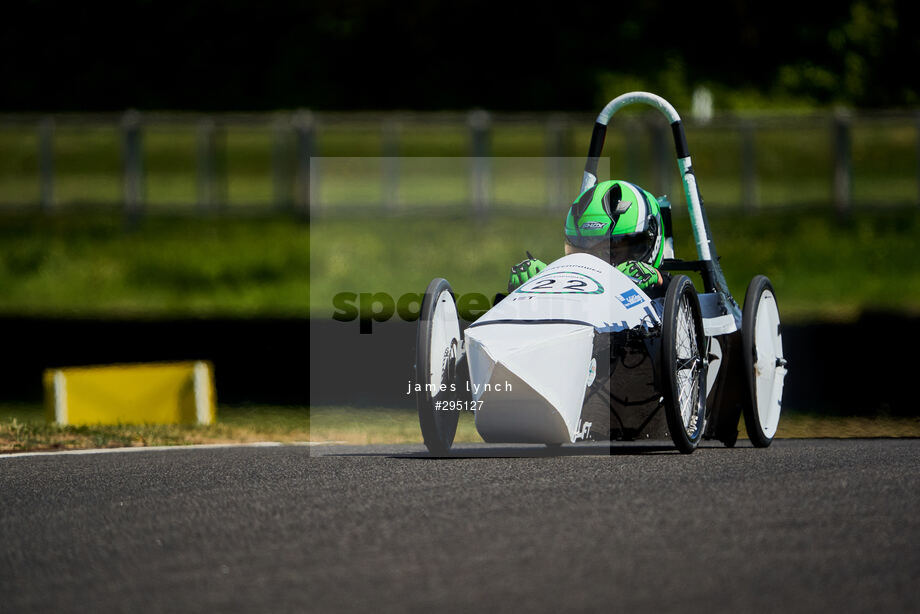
683 366
438 369
765 366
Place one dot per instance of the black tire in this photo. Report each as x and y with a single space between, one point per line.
761 418
438 426
683 348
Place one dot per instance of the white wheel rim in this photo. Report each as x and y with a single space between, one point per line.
688 367
445 329
769 364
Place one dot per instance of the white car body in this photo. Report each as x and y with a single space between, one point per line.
530 356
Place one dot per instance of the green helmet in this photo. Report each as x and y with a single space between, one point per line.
616 221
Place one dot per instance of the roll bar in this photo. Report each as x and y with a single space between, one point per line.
705 248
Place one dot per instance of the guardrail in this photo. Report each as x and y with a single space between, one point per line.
335 163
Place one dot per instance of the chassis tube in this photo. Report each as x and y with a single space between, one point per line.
691 191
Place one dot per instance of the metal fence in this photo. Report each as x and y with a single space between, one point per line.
334 163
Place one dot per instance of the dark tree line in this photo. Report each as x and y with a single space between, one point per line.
420 54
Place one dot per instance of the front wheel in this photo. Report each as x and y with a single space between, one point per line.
683 366
438 367
765 365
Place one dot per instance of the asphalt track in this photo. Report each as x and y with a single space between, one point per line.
805 526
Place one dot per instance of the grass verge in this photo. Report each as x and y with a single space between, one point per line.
378 425
22 428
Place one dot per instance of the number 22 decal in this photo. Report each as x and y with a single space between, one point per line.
576 285
568 282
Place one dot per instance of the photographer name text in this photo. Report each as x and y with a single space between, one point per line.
470 387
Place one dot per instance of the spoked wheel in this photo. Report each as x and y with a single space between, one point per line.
438 368
683 367
765 365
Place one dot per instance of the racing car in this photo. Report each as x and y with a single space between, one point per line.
580 352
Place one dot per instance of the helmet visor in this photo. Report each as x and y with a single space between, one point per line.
613 248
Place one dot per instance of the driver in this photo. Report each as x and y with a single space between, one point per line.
618 222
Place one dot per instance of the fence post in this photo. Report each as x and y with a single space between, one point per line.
281 176
46 163
207 165
748 167
555 150
842 165
917 124
308 168
479 123
631 151
662 155
391 132
133 165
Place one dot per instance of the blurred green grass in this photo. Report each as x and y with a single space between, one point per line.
92 265
822 266
81 262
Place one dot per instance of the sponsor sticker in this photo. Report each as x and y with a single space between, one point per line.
630 298
592 225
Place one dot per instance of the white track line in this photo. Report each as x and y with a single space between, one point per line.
197 446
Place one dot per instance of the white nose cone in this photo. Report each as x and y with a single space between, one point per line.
530 355
531 379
